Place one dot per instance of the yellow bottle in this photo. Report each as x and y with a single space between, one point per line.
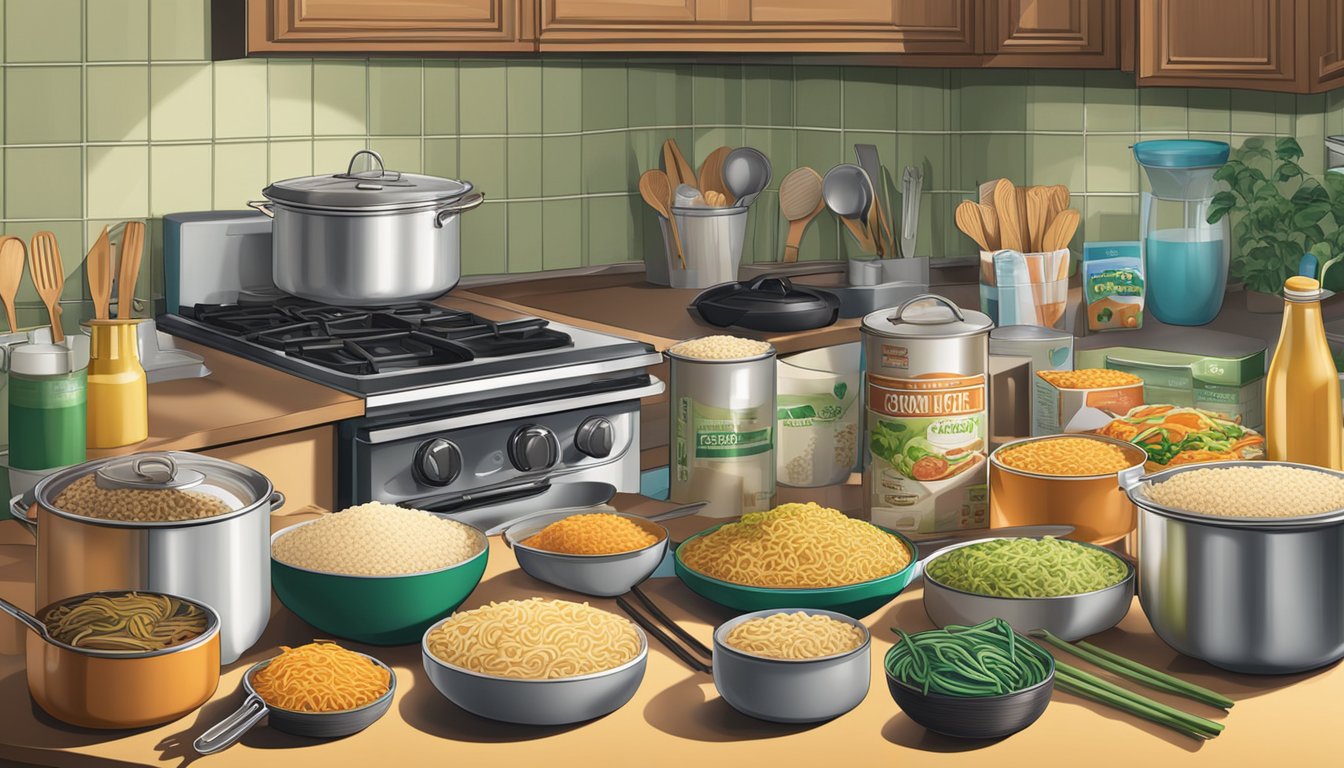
118 401
1302 409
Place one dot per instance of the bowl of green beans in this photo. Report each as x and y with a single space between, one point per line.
970 682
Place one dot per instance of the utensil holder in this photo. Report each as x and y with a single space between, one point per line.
711 241
118 390
1047 289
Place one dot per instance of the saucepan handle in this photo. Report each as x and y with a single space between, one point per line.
228 731
461 205
277 500
19 506
25 617
262 205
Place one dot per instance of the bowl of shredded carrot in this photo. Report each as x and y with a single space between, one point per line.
596 553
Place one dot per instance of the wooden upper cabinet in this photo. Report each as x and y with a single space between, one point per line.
1327 28
1052 33
1224 43
245 27
939 28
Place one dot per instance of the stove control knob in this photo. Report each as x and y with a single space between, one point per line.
438 462
533 448
595 437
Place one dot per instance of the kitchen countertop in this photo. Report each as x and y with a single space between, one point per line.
239 400
678 719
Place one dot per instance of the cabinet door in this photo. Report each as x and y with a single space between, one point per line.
934 27
301 465
1327 26
1223 43
1052 33
351 26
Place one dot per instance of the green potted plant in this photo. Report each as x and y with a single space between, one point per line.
1279 213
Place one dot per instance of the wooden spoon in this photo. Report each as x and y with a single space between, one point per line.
44 258
1010 226
1039 200
656 189
800 201
1061 231
989 221
98 267
711 174
675 166
969 221
131 251
987 192
12 255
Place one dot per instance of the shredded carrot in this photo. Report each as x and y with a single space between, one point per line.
320 677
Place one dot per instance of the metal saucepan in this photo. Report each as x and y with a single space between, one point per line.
366 238
318 725
1255 595
223 561
94 688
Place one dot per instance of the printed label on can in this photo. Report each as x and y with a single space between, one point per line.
725 455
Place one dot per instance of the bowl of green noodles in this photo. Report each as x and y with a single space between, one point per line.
1070 588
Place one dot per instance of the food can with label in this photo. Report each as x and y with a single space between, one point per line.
927 406
722 428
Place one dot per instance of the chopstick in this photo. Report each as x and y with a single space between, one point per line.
675 628
648 626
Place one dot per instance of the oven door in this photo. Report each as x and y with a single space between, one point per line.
502 450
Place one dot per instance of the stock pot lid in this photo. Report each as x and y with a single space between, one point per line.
377 188
927 316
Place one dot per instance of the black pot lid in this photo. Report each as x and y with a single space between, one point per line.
377 189
767 303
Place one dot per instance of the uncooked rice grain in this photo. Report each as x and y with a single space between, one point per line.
1268 491
377 540
83 497
721 348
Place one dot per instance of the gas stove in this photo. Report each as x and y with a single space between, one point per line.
460 411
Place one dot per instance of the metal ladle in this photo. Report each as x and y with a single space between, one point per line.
848 192
746 172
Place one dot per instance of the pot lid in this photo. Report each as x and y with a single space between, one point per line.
1181 153
927 316
767 304
39 359
199 489
376 188
1028 333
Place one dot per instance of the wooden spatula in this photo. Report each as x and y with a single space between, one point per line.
1061 230
98 267
969 221
1005 206
987 192
675 166
44 258
656 189
131 250
711 173
800 201
12 255
989 221
1039 200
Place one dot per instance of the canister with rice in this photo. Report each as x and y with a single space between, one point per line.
722 425
926 397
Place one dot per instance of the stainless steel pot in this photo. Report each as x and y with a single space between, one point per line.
1255 595
373 237
222 561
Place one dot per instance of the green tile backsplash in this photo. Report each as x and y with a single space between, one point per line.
112 110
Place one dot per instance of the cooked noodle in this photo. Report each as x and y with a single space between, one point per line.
535 639
796 545
794 636
133 622
320 677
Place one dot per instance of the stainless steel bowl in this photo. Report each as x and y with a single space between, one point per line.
791 690
1255 595
559 701
597 575
1071 617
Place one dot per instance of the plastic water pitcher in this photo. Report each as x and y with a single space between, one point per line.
1185 257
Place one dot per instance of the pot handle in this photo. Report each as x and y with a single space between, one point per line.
458 206
24 617
277 500
262 205
19 506
1131 477
226 732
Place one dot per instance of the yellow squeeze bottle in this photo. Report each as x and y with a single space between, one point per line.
1302 408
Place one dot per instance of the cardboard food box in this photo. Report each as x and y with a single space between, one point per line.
1056 406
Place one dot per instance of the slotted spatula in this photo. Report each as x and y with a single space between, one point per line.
12 255
98 266
800 201
48 277
131 250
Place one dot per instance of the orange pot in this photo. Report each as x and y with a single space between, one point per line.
1094 505
106 689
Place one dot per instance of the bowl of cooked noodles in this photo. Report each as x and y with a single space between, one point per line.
798 556
792 665
602 554
536 661
121 659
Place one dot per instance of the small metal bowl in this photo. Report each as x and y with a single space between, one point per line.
317 725
1071 617
791 690
596 575
558 701
975 717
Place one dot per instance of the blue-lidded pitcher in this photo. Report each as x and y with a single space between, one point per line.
1185 257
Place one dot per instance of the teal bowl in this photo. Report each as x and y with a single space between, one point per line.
854 600
377 610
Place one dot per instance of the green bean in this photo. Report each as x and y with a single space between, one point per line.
969 661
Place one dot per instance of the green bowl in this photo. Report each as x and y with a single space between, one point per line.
378 610
854 600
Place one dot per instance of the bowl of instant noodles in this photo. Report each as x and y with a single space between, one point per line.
602 554
536 661
798 556
376 573
1070 588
